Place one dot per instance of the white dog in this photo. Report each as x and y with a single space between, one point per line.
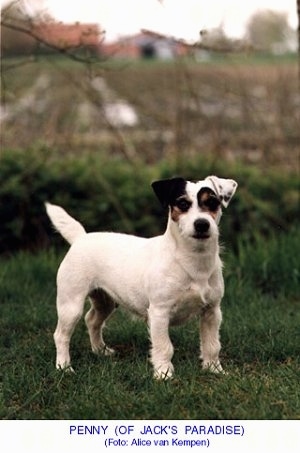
165 279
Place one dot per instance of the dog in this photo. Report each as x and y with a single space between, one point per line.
165 280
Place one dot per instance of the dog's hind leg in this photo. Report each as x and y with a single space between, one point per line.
101 308
69 311
210 322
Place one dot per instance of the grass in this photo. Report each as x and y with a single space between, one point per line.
260 348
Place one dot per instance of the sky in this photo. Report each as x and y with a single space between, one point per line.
180 18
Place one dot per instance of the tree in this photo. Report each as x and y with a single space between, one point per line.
13 41
23 33
269 30
215 39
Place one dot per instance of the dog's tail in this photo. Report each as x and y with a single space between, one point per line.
68 227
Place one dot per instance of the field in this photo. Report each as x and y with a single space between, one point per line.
92 138
245 108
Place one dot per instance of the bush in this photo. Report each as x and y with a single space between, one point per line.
271 267
111 194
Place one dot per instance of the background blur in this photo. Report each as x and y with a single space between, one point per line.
89 117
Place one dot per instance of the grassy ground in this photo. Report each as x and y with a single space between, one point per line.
260 339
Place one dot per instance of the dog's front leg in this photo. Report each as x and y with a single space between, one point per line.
210 346
161 346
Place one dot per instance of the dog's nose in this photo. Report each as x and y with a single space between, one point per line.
201 226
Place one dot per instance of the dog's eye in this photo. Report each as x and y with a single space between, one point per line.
212 203
183 204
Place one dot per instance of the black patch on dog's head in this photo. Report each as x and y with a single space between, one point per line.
208 199
169 190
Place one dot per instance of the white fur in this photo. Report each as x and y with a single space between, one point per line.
165 279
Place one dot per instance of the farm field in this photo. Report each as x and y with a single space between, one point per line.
232 108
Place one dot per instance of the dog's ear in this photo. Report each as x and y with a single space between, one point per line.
224 188
168 190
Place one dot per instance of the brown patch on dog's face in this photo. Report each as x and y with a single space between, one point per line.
175 213
209 202
180 207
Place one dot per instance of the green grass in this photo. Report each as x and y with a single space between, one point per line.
260 348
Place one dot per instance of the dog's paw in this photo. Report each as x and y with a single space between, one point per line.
213 367
65 368
108 351
103 350
164 372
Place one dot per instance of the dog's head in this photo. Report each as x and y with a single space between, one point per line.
195 208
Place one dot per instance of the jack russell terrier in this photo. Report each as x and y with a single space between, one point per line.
166 279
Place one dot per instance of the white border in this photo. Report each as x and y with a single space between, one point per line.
67 436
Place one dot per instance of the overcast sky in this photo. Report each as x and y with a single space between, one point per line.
180 18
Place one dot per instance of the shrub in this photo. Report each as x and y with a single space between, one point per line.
112 194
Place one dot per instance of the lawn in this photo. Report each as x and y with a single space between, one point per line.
260 348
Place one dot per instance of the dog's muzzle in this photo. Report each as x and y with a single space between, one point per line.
201 227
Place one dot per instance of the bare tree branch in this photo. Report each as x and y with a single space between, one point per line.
29 31
29 27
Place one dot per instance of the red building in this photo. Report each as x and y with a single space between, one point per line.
146 44
68 36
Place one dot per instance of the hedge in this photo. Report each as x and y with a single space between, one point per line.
108 193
